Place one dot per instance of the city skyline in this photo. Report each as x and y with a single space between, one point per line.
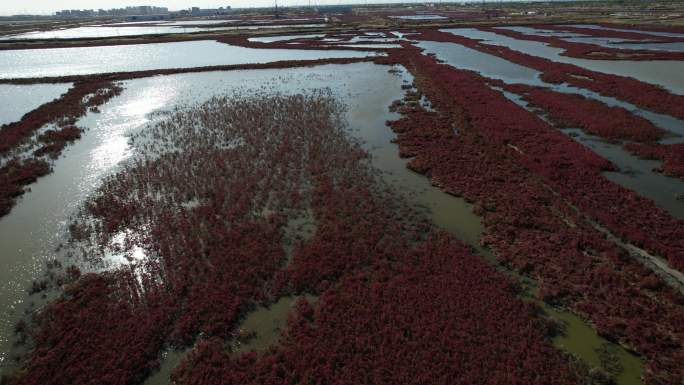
47 7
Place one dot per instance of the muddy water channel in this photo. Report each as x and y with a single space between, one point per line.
635 174
35 228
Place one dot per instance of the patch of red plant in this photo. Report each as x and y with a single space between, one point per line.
539 193
387 291
645 95
646 27
118 76
306 44
593 116
588 50
599 32
89 337
437 315
672 156
63 111
16 174
55 141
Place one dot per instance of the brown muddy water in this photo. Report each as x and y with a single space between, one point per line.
34 229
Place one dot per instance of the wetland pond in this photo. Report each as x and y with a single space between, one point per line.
140 57
89 32
665 73
32 232
635 173
609 42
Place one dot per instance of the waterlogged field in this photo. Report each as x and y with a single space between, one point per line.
666 74
162 29
140 57
460 206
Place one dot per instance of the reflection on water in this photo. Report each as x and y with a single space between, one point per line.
634 173
263 327
667 74
114 31
419 17
100 32
169 360
488 65
38 223
637 174
271 39
139 57
16 100
609 42
591 343
645 32
495 67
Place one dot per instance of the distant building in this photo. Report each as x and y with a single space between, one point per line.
144 10
196 11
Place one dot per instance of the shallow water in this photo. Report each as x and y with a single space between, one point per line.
495 67
609 42
367 45
105 31
488 65
419 17
29 235
654 33
638 175
271 39
634 173
16 100
37 224
201 22
667 73
114 31
629 44
587 347
372 39
266 324
139 57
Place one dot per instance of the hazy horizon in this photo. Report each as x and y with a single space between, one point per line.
46 7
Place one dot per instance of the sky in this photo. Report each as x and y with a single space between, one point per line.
47 7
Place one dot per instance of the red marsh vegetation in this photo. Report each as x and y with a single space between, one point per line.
14 175
588 50
308 44
600 32
646 27
212 201
63 111
88 93
592 116
201 227
672 156
435 314
644 95
118 76
539 193
23 165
